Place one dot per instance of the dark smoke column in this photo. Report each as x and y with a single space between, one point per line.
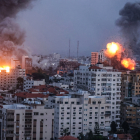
129 23
11 36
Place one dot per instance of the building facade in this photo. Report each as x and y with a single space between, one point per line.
9 79
102 81
25 122
29 83
94 58
79 112
130 113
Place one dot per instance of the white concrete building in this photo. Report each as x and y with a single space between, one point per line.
25 122
29 83
79 112
60 85
101 56
102 81
8 80
26 62
56 56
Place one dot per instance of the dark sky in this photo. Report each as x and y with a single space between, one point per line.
51 23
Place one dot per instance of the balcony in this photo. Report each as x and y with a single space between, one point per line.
10 116
10 122
9 135
107 113
27 128
10 128
27 134
101 124
17 134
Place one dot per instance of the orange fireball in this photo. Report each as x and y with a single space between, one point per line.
113 49
128 63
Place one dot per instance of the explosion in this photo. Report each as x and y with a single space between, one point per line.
128 63
116 53
113 49
7 68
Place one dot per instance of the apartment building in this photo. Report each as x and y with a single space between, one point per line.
97 57
8 80
130 113
79 112
26 122
94 58
29 83
101 56
130 85
102 81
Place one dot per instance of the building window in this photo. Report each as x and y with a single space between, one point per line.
36 113
94 102
99 102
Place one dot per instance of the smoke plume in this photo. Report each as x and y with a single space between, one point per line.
12 36
129 23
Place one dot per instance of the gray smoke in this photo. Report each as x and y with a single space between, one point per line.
129 23
12 36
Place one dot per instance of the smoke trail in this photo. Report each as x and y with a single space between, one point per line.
129 23
11 35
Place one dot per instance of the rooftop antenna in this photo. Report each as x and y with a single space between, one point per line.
69 48
77 48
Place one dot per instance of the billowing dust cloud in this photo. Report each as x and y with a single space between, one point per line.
129 23
12 36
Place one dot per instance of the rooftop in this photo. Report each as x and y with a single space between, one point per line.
67 138
31 95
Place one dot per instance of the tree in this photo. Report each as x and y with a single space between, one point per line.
97 129
90 135
81 136
20 80
136 136
113 127
20 83
65 132
125 126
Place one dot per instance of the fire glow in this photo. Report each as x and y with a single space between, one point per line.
128 63
115 49
7 68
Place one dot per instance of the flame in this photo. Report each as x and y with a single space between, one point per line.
128 63
114 49
7 68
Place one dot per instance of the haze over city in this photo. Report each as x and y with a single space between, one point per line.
69 70
50 24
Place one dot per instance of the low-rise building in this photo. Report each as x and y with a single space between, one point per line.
29 83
